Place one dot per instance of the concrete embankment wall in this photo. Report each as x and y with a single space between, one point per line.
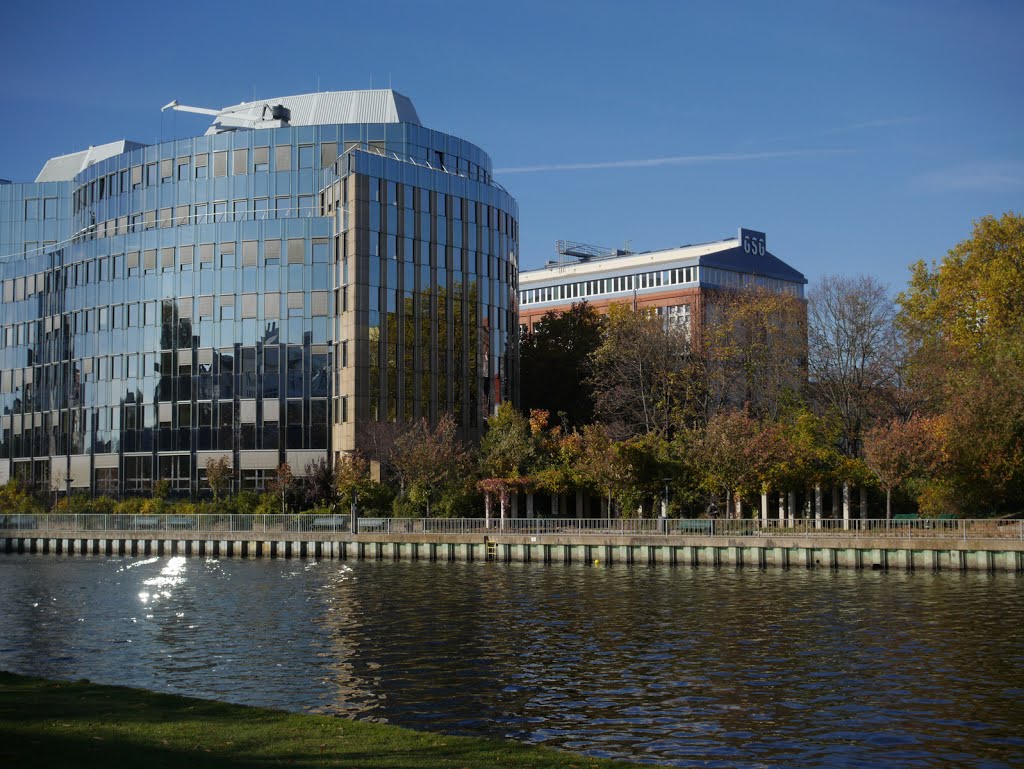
826 552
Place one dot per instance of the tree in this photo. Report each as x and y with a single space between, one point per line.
429 462
506 452
754 346
638 372
729 454
896 451
319 484
281 484
219 474
855 354
962 318
553 364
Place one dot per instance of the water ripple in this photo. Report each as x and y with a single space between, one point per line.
688 667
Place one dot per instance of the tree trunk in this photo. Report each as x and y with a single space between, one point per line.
846 505
764 508
782 507
817 502
487 509
792 508
888 504
739 507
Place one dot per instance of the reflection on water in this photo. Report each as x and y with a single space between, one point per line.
675 665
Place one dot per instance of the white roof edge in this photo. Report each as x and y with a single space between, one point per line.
384 105
64 168
626 262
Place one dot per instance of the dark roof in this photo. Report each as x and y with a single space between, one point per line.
738 260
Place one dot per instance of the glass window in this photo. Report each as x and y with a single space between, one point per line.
240 161
49 208
220 163
32 209
202 162
261 158
283 158
261 206
306 156
183 169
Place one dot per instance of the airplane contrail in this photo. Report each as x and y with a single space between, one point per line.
672 160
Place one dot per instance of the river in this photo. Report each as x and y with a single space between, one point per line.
675 665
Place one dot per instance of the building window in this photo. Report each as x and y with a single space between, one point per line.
220 163
306 156
261 159
31 209
202 169
49 208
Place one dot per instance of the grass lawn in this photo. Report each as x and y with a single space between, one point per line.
80 725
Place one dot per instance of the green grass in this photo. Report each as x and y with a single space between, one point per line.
80 725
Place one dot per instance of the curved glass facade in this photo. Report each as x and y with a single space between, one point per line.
260 294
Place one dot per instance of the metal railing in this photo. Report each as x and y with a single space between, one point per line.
283 525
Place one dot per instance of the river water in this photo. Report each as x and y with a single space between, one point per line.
692 667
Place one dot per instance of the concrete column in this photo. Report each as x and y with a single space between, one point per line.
529 505
764 508
817 502
579 504
487 509
846 505
782 507
792 508
503 497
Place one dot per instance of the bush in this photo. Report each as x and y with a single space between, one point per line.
375 499
152 507
129 506
403 507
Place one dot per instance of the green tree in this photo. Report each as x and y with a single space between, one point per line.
552 364
507 452
962 318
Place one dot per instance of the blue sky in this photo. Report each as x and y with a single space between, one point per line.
860 136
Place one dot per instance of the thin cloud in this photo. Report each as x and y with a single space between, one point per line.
978 176
673 160
886 122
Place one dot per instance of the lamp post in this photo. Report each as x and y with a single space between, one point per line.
663 521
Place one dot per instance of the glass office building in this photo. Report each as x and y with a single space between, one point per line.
265 292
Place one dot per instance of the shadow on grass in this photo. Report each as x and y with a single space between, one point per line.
78 724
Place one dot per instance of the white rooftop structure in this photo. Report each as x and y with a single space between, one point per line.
64 168
325 108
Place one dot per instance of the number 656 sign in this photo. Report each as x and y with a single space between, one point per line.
753 242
